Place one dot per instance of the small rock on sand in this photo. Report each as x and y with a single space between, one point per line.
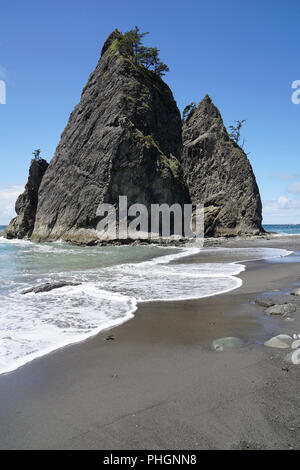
280 342
265 302
110 338
293 357
276 300
230 342
296 292
280 309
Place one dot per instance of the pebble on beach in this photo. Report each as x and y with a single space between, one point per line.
230 342
265 302
276 300
280 309
293 357
280 342
296 292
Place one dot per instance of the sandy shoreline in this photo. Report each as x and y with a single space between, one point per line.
159 385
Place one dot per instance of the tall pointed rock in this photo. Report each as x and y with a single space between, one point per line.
123 138
219 175
26 204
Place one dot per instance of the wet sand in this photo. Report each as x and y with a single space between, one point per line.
159 385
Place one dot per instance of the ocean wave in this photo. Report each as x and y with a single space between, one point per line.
159 280
283 234
56 319
15 241
33 325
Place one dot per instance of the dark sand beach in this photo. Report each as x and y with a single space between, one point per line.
159 385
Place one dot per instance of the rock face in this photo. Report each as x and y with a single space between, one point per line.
123 138
22 225
219 175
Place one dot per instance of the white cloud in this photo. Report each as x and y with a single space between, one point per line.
3 72
288 176
8 197
294 188
283 202
282 211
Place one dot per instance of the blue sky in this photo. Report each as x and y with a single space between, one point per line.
244 54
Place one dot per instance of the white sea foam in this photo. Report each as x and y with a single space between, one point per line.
282 234
15 242
55 319
33 325
159 280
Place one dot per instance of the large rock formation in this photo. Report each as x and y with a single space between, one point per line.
22 225
219 175
123 138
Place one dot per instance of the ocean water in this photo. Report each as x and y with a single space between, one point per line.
283 229
113 281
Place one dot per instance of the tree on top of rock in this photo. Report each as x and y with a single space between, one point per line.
36 154
131 45
189 111
235 133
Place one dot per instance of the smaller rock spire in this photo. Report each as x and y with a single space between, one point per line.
116 34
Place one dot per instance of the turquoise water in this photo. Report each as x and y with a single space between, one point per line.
283 229
113 280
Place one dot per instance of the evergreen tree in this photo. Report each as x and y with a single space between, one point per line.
235 133
189 111
131 45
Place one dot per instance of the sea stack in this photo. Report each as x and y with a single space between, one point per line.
26 204
126 138
123 138
219 175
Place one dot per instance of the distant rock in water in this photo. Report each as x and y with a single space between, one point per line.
123 138
22 225
219 175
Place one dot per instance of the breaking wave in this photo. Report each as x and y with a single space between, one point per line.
114 280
